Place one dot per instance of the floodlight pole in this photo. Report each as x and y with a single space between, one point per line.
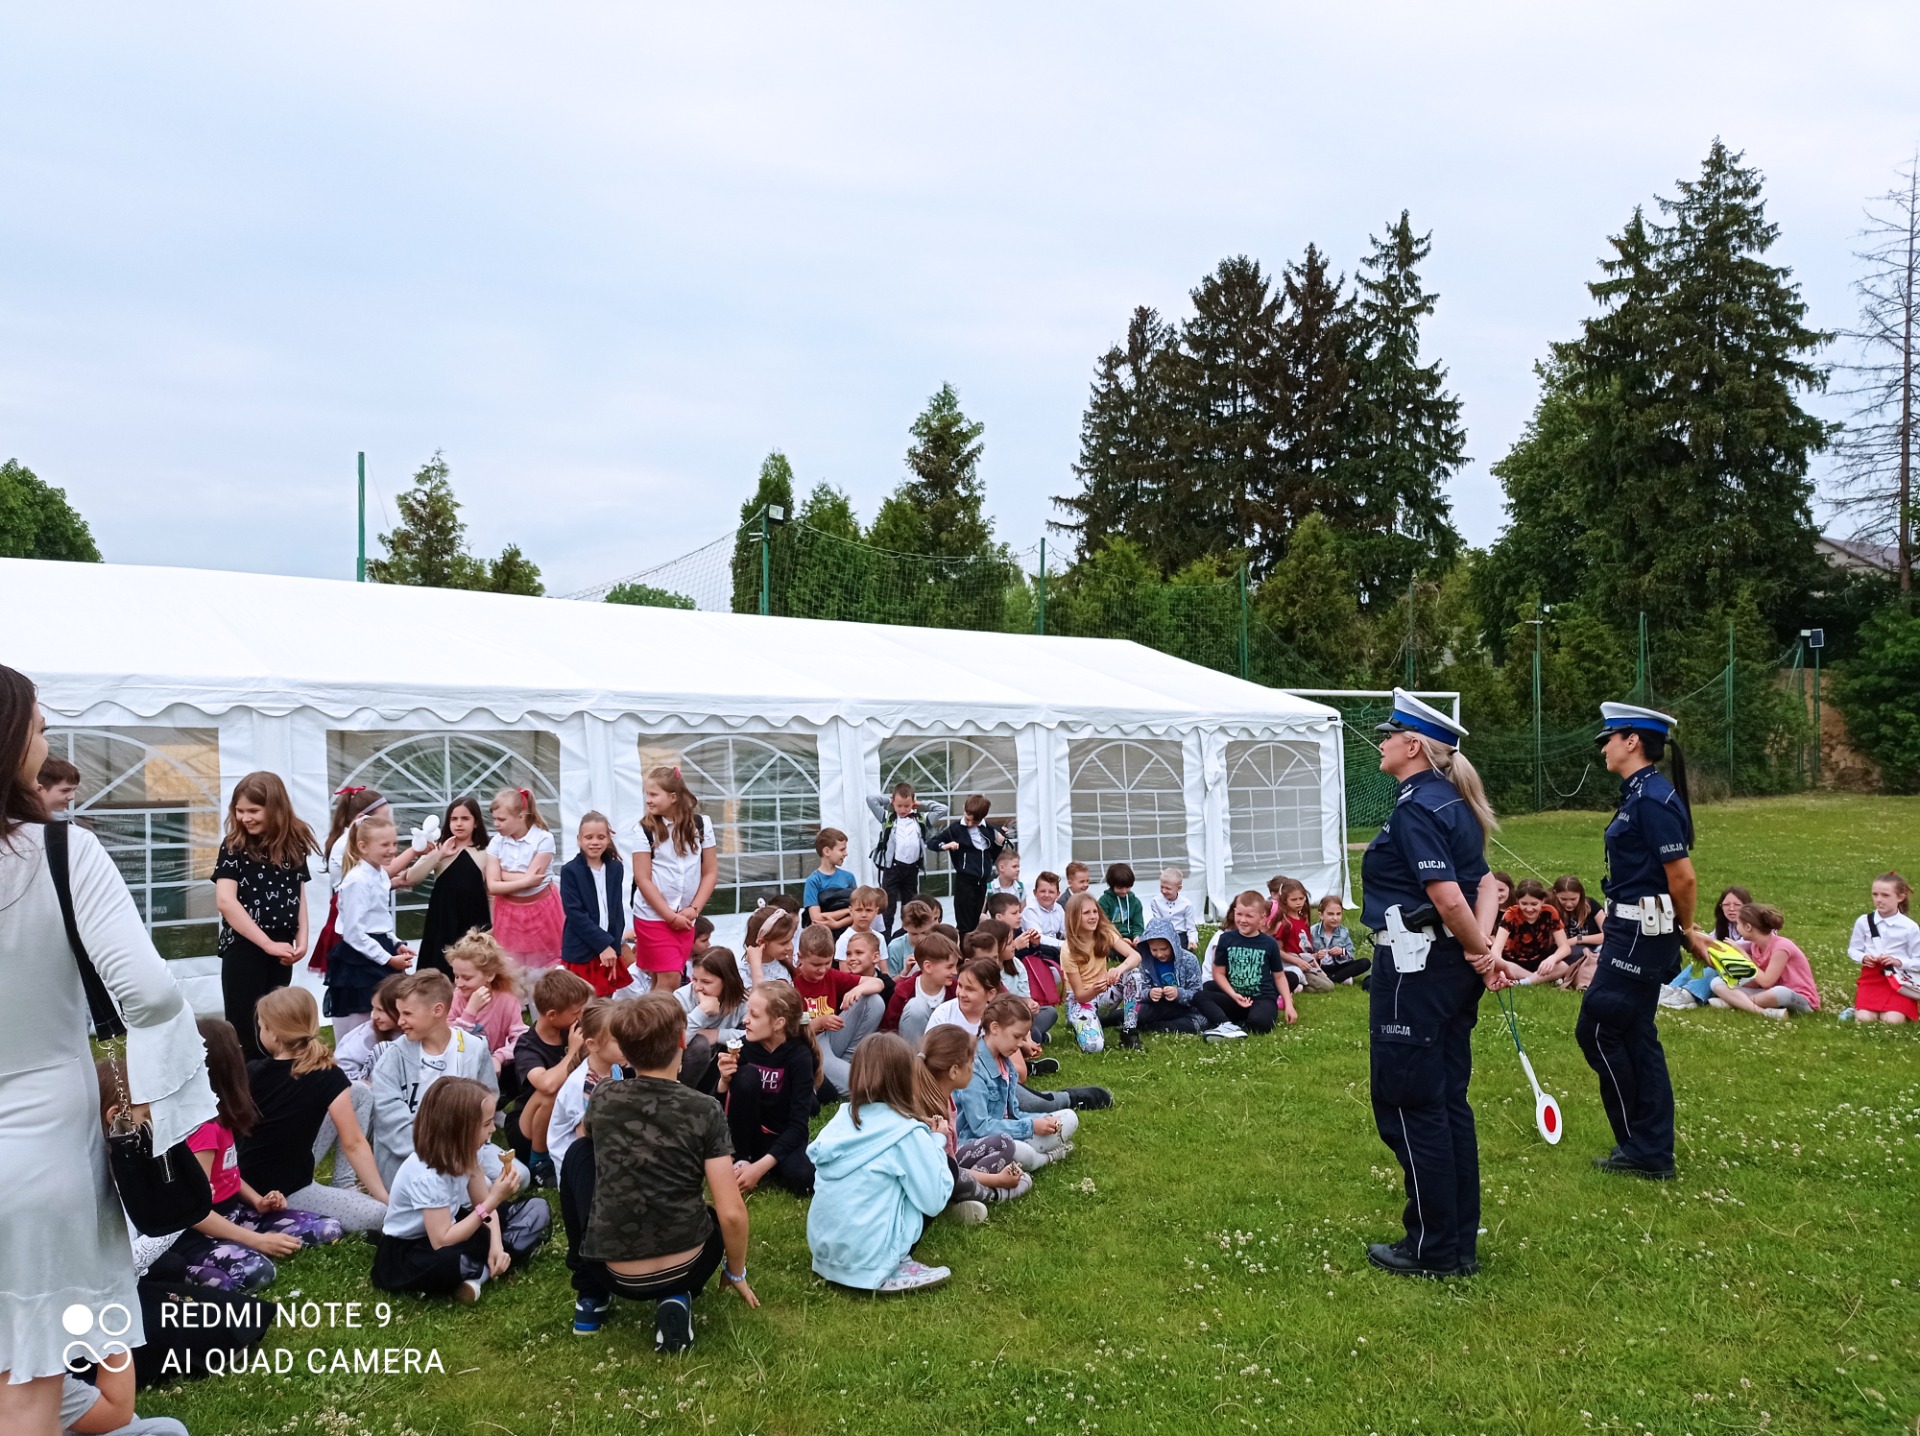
1816 717
360 563
1243 618
1040 613
766 563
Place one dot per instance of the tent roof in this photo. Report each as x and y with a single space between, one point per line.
143 639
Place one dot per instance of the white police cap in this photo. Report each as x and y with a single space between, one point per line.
1410 715
1620 717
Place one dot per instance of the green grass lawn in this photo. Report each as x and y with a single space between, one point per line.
1198 1264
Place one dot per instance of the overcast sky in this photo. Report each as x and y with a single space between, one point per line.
606 258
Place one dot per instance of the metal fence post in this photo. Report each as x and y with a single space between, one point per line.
1040 612
360 563
1730 783
1243 619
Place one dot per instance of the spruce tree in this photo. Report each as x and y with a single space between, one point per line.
938 509
775 488
1684 447
1124 447
1309 601
1409 437
1225 406
514 572
36 521
1316 361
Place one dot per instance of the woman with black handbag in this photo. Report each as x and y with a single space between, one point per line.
63 1234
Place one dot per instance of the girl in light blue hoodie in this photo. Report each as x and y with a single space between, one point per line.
880 1174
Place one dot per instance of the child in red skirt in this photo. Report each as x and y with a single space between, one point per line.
1886 944
675 865
595 945
527 917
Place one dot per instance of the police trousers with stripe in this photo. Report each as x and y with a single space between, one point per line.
1421 1041
1616 1032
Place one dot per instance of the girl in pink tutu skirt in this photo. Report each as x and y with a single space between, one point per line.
527 916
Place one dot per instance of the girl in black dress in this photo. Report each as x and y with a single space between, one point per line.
260 889
459 901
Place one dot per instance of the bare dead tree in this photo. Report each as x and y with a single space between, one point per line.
1874 470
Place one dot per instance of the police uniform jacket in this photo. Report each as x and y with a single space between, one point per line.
1432 835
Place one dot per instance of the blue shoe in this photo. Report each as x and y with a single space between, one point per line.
673 1326
1846 1014
588 1314
540 1171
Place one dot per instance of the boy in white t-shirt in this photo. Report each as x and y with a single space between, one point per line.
1045 916
1006 877
1173 905
865 905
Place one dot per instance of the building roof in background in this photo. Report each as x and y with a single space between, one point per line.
1853 553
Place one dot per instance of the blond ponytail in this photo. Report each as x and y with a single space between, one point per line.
1452 764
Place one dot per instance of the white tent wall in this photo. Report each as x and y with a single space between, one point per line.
1250 761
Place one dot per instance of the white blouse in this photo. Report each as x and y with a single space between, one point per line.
676 875
516 855
366 907
1899 937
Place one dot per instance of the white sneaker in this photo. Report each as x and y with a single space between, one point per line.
1780 1012
1225 1032
967 1213
910 1275
467 1293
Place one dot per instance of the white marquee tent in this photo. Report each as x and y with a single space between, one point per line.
166 685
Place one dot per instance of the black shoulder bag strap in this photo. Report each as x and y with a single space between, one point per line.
1873 928
107 1023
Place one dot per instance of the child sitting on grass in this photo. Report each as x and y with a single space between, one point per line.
1122 908
917 918
487 1000
923 988
1530 935
355 1050
233 1246
985 1169
447 1228
842 1008
882 1174
637 1222
542 1058
1079 878
1333 945
426 1050
1886 944
1173 905
1044 920
1251 983
1172 977
1094 989
1294 935
1006 877
768 953
770 1089
596 1059
989 1105
868 904
1784 980
992 938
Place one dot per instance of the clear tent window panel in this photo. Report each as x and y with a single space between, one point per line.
421 772
152 797
1129 804
949 770
762 795
1273 807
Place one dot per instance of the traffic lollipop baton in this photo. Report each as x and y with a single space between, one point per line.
1546 1111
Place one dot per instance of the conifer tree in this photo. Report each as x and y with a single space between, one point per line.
774 488
1125 448
939 509
1409 440
1316 360
428 547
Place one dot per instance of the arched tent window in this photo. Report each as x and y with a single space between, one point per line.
422 772
152 797
1129 804
1273 807
949 770
762 795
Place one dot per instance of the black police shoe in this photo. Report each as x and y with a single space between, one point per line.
1614 1162
1130 1040
1394 1257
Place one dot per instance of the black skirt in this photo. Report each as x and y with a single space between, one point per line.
416 1264
458 903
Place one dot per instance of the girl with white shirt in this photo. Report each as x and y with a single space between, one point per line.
528 918
368 951
1886 944
675 865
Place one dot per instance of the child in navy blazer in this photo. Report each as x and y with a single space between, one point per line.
594 943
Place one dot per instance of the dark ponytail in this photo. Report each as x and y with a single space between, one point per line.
1658 746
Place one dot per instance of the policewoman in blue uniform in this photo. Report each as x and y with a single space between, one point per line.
1422 877
1650 891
